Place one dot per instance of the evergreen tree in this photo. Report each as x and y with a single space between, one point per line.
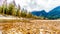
4 7
18 13
12 9
29 15
1 9
23 13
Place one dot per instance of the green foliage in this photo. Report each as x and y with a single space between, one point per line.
1 10
29 15
23 14
18 13
12 10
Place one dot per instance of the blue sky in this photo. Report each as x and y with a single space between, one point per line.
31 5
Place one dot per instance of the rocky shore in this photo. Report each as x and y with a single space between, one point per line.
31 27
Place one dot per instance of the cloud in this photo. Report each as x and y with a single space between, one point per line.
1 2
9 1
31 5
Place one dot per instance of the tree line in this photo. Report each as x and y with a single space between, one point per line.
13 10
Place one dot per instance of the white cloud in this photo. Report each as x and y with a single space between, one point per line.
30 5
39 4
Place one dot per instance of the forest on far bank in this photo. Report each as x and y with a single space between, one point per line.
13 10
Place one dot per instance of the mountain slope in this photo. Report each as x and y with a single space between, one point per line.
54 14
39 13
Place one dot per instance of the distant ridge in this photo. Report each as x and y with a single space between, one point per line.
53 14
39 13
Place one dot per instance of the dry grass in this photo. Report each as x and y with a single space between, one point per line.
13 20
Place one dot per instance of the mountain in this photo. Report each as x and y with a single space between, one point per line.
54 13
39 13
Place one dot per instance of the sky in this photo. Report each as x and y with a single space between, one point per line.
38 5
